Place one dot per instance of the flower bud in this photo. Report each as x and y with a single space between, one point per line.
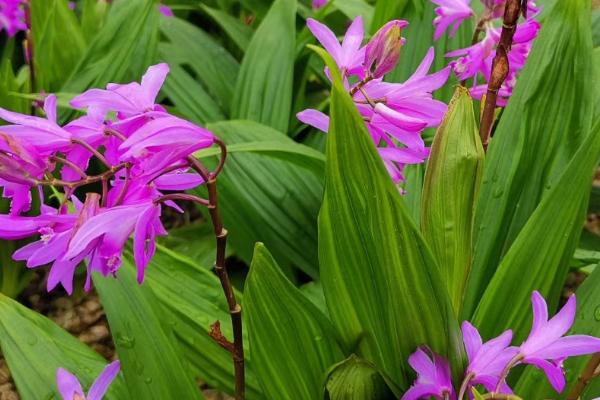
11 170
383 50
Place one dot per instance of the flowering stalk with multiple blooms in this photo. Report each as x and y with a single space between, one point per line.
477 60
395 113
70 388
146 156
12 16
546 348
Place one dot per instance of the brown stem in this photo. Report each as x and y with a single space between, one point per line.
235 310
29 49
500 69
586 376
92 150
183 197
360 85
125 186
104 191
82 182
70 164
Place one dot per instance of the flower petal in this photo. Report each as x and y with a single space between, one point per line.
100 386
68 384
315 119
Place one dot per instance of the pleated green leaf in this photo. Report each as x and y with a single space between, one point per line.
264 199
450 190
539 257
293 344
188 95
387 10
539 132
152 363
53 25
356 379
192 298
533 383
35 347
237 31
383 287
264 86
122 50
217 71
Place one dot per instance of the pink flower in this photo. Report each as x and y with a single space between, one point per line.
12 16
396 114
165 10
487 360
546 348
70 388
433 377
316 4
450 13
128 100
383 50
349 56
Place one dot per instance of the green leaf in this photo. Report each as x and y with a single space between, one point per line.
35 347
195 240
355 8
121 51
282 149
57 40
238 31
93 16
387 10
269 200
356 379
382 285
292 342
539 257
152 363
10 84
539 132
450 190
193 299
264 85
187 44
533 383
188 95
14 277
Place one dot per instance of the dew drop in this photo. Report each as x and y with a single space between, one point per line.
148 380
597 313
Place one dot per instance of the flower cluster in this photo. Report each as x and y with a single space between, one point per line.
490 363
143 151
395 113
70 388
12 16
476 60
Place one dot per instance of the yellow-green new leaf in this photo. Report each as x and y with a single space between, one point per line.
450 190
293 344
382 285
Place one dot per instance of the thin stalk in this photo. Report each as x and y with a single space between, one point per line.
586 376
92 150
82 182
29 50
69 164
183 197
516 359
500 69
465 384
235 310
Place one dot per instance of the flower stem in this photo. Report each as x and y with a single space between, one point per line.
92 150
235 310
465 384
586 376
515 360
500 69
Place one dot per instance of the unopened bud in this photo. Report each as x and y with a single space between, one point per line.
383 50
11 170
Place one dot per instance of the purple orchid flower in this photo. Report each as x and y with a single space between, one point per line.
12 16
70 388
477 59
546 347
486 360
316 4
129 100
450 13
433 377
349 55
383 50
165 10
